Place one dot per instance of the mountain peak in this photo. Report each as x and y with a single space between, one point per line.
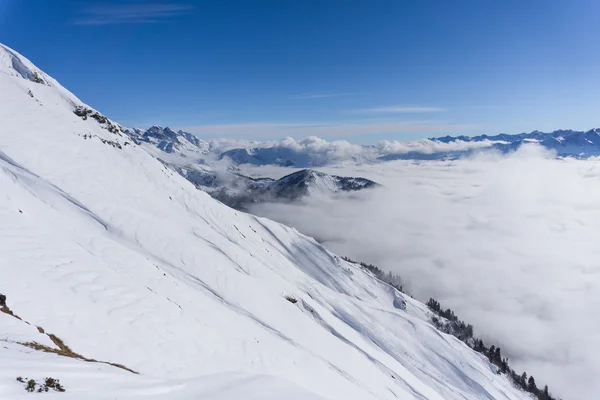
17 66
14 64
169 141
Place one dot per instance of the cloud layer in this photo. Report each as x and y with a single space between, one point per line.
510 243
323 152
427 146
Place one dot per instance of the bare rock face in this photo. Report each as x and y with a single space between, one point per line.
2 300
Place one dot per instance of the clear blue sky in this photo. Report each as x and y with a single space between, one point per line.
357 70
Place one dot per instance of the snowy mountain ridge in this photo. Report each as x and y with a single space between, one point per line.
111 253
169 141
200 163
564 143
239 191
314 152
302 154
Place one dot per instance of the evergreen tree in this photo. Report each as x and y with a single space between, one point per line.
469 331
544 395
523 380
446 321
531 387
491 353
504 365
497 357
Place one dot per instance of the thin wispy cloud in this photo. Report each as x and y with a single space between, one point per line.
401 109
320 95
483 107
132 13
325 130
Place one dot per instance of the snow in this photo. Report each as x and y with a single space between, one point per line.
127 262
84 380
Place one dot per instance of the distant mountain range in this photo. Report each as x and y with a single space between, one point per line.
299 154
201 162
566 143
195 160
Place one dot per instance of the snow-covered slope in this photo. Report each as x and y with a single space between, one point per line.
126 262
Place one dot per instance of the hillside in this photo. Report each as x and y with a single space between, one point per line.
159 291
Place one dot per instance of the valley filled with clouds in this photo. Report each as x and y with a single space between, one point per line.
509 242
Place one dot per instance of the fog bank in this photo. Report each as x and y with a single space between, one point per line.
510 243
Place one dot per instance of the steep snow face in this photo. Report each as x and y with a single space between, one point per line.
127 262
14 64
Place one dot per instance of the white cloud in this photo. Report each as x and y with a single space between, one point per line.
320 95
324 152
319 150
509 242
427 146
401 109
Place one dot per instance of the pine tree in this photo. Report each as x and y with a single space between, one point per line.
469 331
497 357
531 387
491 353
504 365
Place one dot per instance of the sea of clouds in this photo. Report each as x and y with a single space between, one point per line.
510 243
322 151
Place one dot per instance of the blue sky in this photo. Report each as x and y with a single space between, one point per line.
356 70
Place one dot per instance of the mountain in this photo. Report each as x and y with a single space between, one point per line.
315 152
305 181
195 160
122 280
565 143
168 140
238 191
